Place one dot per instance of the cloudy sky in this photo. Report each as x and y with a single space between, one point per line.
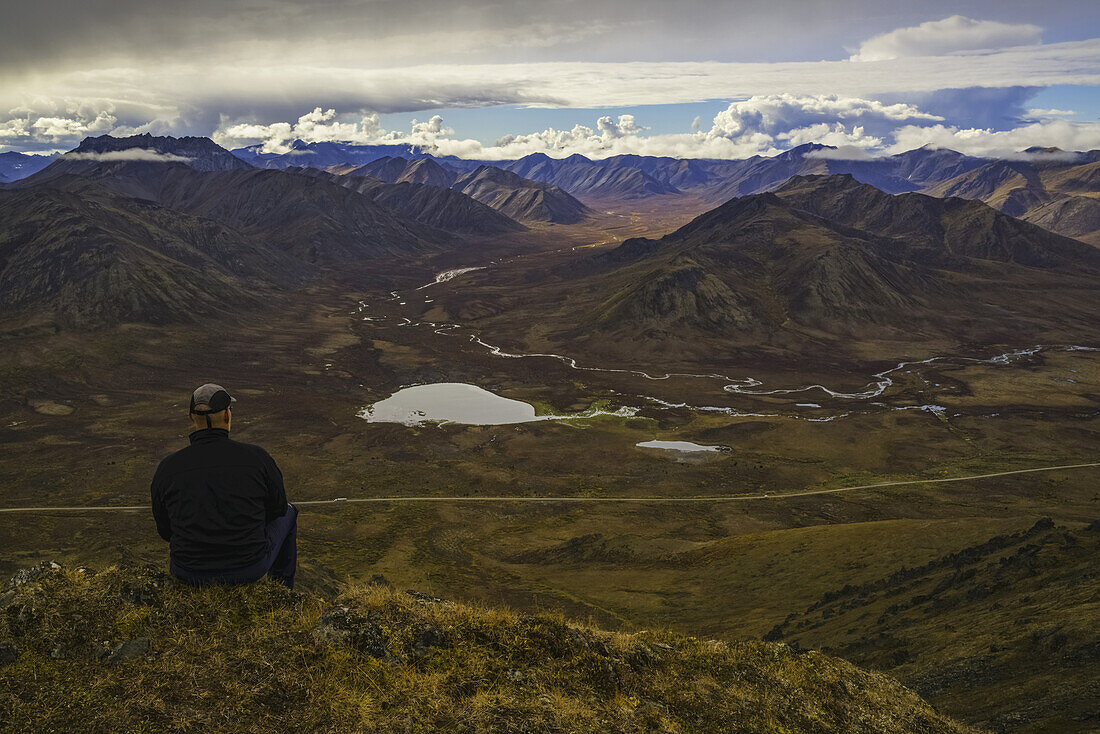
478 79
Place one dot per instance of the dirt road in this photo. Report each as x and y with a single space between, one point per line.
702 498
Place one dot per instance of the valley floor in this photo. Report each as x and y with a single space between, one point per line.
84 422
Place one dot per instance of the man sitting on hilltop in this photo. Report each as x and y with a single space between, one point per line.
221 504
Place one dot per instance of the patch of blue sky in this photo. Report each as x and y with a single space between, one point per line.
1083 101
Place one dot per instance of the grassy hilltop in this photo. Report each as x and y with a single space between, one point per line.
130 650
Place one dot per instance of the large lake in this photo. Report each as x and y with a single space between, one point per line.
457 402
450 402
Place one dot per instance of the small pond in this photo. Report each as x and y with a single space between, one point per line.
680 446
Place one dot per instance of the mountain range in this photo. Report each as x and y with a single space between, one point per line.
1056 189
436 206
1060 194
163 229
321 155
91 257
14 166
519 198
822 264
810 257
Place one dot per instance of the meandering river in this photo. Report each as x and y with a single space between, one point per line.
749 386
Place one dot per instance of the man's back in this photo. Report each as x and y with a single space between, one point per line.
213 499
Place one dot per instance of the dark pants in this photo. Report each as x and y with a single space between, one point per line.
280 562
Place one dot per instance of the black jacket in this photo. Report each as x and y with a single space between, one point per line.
213 499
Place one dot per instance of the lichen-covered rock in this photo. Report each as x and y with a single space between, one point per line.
129 649
29 575
427 640
341 626
146 587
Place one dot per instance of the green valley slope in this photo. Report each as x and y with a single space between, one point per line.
1001 634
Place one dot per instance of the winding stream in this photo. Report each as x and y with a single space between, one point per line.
446 275
880 381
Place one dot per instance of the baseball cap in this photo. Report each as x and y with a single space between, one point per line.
210 398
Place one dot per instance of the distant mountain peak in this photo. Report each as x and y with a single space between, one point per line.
830 181
800 151
805 148
324 154
520 198
200 153
14 165
930 149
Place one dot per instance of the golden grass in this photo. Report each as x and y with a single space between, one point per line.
261 658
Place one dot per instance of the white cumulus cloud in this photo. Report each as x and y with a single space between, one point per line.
317 126
14 129
947 36
762 124
825 134
769 120
624 126
1038 113
53 129
1064 134
433 126
843 153
773 113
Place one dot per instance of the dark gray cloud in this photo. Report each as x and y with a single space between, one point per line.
69 69
34 33
998 108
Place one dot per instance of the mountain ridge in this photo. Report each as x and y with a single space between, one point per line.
199 153
1074 212
436 206
518 198
98 241
521 198
822 265
84 254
